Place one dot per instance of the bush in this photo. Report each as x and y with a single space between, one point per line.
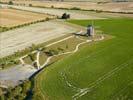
16 91
47 19
66 46
60 49
52 6
30 5
26 87
51 52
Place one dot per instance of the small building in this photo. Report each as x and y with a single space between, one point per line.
90 30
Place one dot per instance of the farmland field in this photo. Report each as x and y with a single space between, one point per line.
12 17
19 39
74 14
98 71
111 6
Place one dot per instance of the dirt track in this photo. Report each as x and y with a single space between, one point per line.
14 40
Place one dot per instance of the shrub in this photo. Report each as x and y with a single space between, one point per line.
47 19
30 5
17 90
51 52
52 6
60 49
26 87
66 46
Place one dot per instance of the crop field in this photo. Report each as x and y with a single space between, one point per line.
12 17
74 14
111 6
55 0
19 39
98 71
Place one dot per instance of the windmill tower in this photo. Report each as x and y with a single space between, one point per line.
90 30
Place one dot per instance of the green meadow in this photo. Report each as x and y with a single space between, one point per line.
100 70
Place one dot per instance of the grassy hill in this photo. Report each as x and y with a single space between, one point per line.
99 71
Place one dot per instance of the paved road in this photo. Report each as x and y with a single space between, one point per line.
18 39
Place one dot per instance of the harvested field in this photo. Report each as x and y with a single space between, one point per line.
74 14
12 17
19 39
111 6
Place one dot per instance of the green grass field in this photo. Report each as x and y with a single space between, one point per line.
98 71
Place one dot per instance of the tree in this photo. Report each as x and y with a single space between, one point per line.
17 91
65 16
26 87
68 16
9 93
10 3
1 92
2 97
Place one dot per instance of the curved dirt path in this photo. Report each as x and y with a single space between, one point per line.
37 59
75 50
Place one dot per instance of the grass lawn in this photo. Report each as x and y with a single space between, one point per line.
30 59
42 58
99 71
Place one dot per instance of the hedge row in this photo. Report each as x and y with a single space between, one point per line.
3 29
77 8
